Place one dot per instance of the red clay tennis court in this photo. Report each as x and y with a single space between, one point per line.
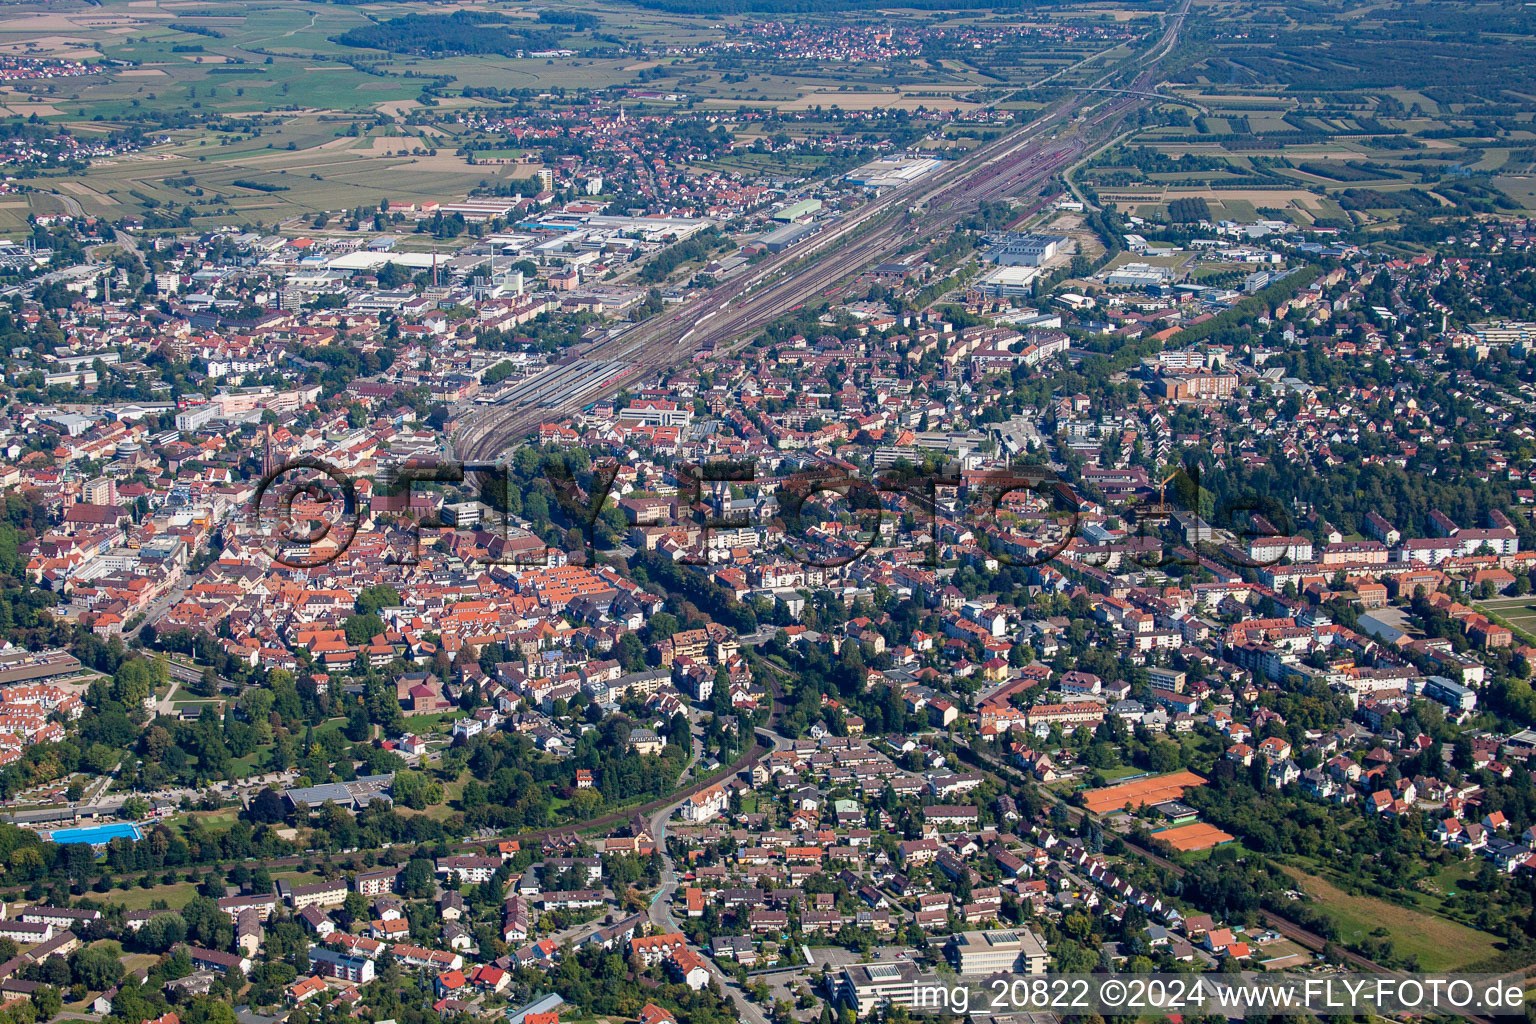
1141 792
1198 836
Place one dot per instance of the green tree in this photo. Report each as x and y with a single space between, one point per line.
660 627
163 931
47 1002
381 595
98 966
416 878
362 628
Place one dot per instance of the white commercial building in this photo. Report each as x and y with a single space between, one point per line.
1010 281
1019 951
1028 250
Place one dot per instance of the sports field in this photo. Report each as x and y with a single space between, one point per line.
1141 792
1194 836
1519 612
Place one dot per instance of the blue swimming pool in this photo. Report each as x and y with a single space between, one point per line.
97 835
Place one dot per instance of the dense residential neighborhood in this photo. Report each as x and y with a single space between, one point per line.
675 560
897 726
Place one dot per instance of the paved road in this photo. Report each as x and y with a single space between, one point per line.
164 603
661 916
660 911
190 674
167 705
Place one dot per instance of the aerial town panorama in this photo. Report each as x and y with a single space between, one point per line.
714 511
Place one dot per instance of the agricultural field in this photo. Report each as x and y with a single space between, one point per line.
256 113
248 178
1281 119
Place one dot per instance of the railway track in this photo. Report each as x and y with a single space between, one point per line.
1017 161
739 307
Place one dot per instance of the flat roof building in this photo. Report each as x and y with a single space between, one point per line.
331 963
1137 275
1016 951
892 171
1028 250
795 211
786 236
864 987
354 795
25 666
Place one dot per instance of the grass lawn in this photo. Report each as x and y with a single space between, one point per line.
1196 856
1198 750
1285 950
1434 891
140 899
134 961
214 821
1438 944
452 793
453 798
253 763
